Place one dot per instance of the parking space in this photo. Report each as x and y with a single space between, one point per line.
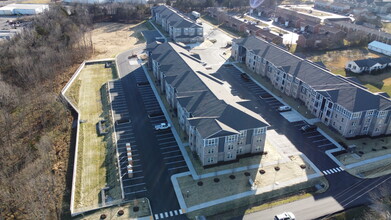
169 149
133 187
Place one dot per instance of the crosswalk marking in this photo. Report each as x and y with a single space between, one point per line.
168 214
332 170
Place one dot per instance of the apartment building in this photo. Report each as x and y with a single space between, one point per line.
218 129
243 26
179 27
338 102
372 34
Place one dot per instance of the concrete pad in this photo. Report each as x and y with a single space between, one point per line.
292 116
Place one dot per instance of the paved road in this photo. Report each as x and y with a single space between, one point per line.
151 145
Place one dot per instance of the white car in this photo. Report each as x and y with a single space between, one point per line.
284 108
285 216
162 126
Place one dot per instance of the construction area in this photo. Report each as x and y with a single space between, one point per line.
96 172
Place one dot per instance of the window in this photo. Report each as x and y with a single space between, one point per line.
340 128
240 150
229 156
257 148
354 123
377 130
369 113
356 115
382 114
231 138
210 159
350 132
342 119
230 147
259 131
211 150
211 142
243 133
365 129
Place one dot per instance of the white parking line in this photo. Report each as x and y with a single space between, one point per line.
134 185
171 214
324 139
175 212
175 168
319 135
180 155
331 171
166 214
134 178
325 173
173 141
180 211
163 148
156 217
335 170
171 152
299 125
167 134
161 215
162 139
179 161
324 145
136 192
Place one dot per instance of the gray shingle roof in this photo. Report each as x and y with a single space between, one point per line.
211 116
372 61
174 18
349 95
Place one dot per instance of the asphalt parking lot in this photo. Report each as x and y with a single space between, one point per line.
157 151
168 146
134 187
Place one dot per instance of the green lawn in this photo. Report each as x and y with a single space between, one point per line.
96 159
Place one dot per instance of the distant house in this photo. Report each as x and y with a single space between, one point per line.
368 65
380 47
180 27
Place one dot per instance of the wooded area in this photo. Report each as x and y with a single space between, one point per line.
34 124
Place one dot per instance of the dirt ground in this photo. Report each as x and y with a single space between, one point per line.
128 211
109 38
238 182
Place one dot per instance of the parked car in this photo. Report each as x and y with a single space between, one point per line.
285 216
306 128
245 77
284 108
162 126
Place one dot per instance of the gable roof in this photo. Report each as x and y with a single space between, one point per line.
174 18
348 95
372 61
212 117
